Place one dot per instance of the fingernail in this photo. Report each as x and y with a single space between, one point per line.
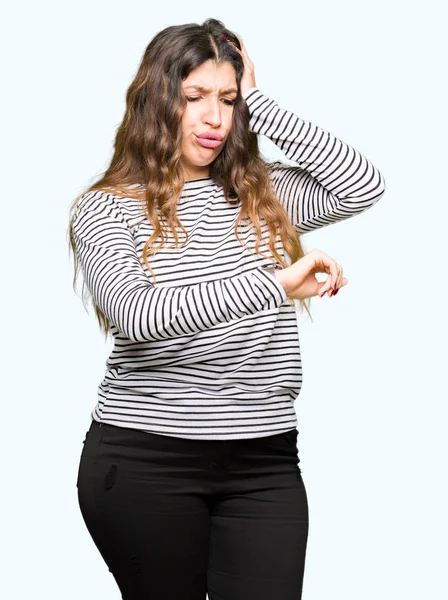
336 292
335 286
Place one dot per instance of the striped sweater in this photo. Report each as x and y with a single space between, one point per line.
211 349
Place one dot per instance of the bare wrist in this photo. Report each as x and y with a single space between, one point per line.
280 275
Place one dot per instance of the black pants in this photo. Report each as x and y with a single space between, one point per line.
176 519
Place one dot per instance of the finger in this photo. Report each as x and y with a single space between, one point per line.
333 278
249 62
334 282
337 284
242 52
340 278
326 286
234 46
321 290
343 283
321 263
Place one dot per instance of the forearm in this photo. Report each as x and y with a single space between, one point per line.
339 167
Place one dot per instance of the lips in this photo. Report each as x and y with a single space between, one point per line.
210 135
207 142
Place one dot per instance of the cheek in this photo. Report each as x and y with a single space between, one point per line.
190 117
185 117
229 121
187 128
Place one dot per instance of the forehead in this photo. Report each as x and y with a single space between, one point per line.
212 77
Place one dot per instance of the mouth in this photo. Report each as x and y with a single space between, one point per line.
209 142
210 135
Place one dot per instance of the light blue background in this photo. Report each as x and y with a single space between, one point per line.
372 411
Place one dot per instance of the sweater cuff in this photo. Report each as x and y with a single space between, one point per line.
275 287
248 93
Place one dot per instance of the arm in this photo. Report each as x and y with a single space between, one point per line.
331 182
141 310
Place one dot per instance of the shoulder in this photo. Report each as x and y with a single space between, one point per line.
94 200
94 206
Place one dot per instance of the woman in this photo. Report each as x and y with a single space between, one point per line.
189 480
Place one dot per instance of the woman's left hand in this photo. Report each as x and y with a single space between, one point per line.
248 78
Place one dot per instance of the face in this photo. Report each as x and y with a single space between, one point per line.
211 91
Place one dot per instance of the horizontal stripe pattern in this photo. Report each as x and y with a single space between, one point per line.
210 348
332 180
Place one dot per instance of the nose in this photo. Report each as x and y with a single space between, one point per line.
212 114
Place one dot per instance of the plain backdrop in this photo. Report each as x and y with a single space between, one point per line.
373 407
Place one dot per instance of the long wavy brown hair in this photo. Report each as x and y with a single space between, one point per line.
147 150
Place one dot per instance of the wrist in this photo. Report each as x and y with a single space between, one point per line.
280 275
246 90
278 272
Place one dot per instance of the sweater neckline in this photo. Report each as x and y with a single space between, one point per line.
200 180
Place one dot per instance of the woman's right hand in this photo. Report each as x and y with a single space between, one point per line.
299 280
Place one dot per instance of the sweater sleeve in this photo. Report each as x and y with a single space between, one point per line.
143 311
331 182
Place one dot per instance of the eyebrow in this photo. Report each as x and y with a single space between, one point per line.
201 88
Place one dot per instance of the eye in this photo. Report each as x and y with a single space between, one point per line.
196 98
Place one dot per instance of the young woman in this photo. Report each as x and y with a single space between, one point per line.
189 481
